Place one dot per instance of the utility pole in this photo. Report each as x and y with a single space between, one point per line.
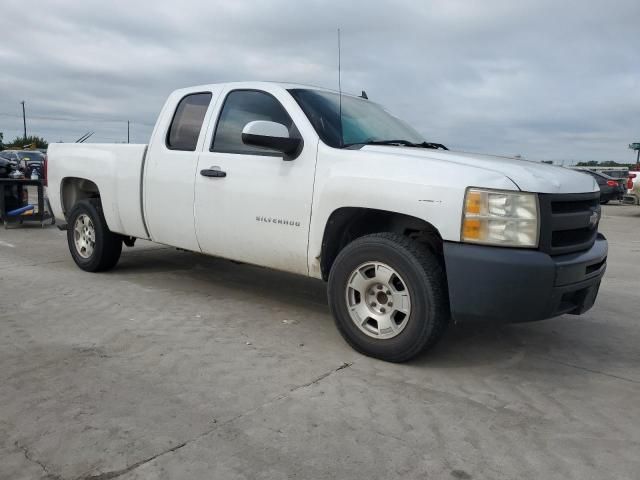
127 131
24 122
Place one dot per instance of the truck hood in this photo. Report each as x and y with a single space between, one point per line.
528 176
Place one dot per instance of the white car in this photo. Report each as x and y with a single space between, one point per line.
633 193
408 235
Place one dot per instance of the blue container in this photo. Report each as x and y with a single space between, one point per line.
20 211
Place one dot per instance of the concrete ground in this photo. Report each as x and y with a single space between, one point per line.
178 366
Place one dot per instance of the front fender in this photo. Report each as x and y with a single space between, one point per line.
429 190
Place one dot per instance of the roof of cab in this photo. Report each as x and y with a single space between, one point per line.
258 84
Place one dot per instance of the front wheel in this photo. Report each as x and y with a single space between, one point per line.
93 246
388 295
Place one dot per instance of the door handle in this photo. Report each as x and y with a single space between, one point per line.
213 172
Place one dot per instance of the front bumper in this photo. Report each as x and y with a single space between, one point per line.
513 285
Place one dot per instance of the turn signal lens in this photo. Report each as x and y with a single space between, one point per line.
473 202
471 228
494 217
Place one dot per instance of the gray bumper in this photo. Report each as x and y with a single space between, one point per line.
513 285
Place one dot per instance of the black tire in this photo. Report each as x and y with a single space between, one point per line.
108 245
604 202
426 282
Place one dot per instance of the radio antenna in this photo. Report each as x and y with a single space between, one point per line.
340 91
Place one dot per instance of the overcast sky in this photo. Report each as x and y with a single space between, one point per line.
551 80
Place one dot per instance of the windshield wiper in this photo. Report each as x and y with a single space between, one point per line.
435 146
404 143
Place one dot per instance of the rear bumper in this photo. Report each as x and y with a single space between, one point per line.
612 196
512 285
611 193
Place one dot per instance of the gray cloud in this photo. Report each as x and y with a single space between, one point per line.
545 79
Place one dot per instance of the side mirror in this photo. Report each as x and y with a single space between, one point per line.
273 135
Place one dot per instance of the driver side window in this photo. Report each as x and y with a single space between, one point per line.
244 106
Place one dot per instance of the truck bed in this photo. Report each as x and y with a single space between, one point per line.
116 169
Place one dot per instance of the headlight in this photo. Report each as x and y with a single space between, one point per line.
495 217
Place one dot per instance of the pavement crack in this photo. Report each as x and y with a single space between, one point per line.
321 377
590 370
277 399
27 454
118 473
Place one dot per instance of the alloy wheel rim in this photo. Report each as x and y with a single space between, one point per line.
378 300
84 236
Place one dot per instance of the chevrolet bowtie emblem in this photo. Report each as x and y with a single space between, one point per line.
593 219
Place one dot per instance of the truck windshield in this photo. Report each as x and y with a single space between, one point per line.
362 120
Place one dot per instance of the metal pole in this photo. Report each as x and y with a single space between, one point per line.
127 131
24 122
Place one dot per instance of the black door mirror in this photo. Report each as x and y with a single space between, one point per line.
271 135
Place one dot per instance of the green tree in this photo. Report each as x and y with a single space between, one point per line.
1 137
607 163
39 142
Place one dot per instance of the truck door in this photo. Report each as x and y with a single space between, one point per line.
171 167
259 211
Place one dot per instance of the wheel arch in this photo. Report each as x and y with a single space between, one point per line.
346 224
75 189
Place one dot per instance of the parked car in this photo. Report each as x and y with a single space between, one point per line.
636 192
26 160
610 188
632 196
10 155
407 234
615 172
31 160
633 179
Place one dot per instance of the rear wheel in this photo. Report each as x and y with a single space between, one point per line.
93 246
388 296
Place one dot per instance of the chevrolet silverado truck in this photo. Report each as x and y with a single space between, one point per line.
408 235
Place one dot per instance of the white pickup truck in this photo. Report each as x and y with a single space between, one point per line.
408 234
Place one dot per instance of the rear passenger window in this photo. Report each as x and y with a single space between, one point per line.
187 122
